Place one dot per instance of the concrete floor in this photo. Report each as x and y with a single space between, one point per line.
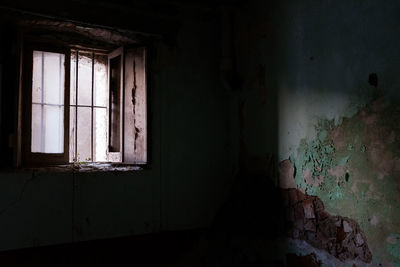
165 249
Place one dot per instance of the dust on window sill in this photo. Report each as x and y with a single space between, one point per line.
90 167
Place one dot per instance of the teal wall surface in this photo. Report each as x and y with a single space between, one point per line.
305 67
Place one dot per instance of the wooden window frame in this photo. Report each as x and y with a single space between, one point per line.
29 158
119 52
24 156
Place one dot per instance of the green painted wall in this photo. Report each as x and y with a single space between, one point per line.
312 104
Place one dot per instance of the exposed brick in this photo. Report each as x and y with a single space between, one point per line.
318 205
307 220
292 197
321 215
300 196
308 209
327 227
299 212
340 235
359 239
346 226
310 226
338 221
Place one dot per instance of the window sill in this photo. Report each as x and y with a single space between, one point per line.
88 167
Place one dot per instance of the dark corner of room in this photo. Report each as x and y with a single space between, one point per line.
199 133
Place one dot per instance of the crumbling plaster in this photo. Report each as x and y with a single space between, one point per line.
354 169
335 130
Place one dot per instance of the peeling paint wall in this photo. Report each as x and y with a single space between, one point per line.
361 179
332 106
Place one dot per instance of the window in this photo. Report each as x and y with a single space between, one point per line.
90 110
84 105
48 102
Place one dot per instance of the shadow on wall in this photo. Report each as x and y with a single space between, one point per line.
327 65
263 225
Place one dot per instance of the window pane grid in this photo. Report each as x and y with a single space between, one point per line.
87 100
47 135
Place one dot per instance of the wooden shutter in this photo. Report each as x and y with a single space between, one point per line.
135 104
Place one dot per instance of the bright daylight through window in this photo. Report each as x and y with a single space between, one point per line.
104 123
89 108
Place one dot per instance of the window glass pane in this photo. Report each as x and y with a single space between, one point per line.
100 81
47 120
53 129
72 133
84 131
85 78
36 127
37 77
100 134
73 78
53 78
